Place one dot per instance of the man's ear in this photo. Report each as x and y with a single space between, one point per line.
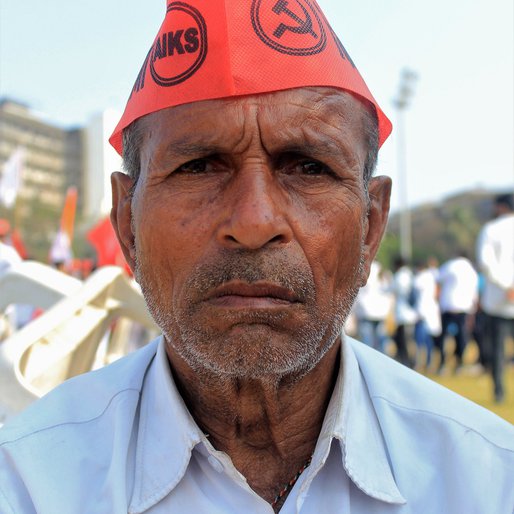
121 214
379 189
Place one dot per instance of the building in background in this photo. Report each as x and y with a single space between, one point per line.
53 155
53 159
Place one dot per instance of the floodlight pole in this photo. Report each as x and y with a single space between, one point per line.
402 103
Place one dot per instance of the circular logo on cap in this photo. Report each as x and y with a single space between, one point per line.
291 27
180 49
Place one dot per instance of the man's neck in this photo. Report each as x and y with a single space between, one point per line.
269 428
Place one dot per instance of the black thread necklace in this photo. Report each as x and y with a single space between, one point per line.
287 487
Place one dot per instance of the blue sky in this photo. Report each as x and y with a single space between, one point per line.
70 59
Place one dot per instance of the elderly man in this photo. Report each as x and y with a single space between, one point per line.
250 219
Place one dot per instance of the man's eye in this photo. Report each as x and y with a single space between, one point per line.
194 166
313 168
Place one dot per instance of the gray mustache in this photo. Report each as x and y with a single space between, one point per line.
244 266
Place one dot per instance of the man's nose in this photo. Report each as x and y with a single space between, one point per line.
256 211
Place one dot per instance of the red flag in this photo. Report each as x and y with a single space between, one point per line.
104 240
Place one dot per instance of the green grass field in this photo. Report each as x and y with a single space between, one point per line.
479 387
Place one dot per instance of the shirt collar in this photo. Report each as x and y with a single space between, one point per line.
167 435
356 426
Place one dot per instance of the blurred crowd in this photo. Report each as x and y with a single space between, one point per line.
421 305
414 312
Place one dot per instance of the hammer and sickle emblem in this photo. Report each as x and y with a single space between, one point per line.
302 27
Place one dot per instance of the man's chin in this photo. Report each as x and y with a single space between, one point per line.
250 350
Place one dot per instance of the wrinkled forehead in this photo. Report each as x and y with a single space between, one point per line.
325 124
325 108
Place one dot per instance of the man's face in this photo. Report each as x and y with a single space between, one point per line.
249 229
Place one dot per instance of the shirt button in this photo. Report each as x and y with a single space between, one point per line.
215 463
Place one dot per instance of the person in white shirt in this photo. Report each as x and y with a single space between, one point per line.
495 257
428 325
250 217
372 306
404 314
458 297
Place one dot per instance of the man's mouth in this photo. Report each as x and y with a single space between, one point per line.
257 295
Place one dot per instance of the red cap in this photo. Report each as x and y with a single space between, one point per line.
225 48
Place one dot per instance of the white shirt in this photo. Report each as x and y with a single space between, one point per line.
427 305
459 286
373 301
60 250
495 256
121 440
404 314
